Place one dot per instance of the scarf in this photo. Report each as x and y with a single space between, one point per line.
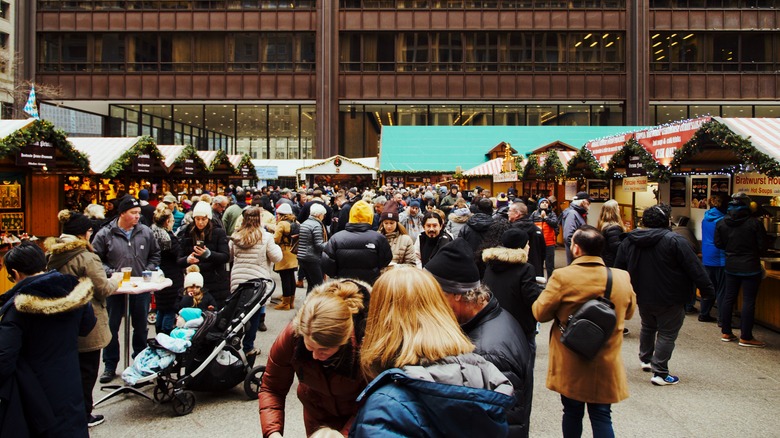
162 237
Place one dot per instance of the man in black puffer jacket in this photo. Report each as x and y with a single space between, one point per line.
358 251
477 225
496 335
663 270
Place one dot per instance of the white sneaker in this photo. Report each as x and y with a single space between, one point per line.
646 367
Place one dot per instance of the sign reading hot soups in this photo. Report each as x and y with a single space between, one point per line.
757 184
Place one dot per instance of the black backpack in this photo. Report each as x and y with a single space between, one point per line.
589 328
295 233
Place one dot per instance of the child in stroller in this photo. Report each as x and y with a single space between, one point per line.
153 359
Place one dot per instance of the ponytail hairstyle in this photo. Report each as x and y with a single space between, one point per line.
326 316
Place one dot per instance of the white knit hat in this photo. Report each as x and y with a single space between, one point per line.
202 209
193 279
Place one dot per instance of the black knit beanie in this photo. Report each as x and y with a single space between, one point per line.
454 268
74 223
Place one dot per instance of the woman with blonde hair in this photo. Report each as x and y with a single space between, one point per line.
427 380
400 242
320 346
286 235
252 250
611 226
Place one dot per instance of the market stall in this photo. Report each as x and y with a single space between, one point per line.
738 155
118 166
501 172
244 172
34 157
545 172
187 173
219 170
338 172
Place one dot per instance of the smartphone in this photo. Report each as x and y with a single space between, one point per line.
200 243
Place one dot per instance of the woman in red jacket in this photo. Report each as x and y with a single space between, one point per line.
320 346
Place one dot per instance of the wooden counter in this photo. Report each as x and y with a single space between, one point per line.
768 301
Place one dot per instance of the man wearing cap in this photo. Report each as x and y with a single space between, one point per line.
173 205
357 252
411 219
496 335
547 221
449 201
124 242
573 218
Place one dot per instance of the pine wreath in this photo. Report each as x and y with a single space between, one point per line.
42 130
145 145
655 171
584 165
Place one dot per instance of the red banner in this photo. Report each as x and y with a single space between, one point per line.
660 142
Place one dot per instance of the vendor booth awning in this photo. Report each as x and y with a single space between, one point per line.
444 148
8 127
287 168
216 161
764 134
109 156
170 153
492 167
242 166
37 144
337 165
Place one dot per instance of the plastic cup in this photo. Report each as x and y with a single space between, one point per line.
147 276
126 273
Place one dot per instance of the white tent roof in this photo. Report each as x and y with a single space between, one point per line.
763 133
102 151
170 153
208 157
8 127
348 167
287 168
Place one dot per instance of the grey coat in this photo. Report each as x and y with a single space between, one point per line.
311 240
116 251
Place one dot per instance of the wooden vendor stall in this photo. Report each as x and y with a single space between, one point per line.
338 172
187 173
219 171
545 172
740 155
119 166
244 173
501 172
33 158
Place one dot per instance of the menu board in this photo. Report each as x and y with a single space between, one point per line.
699 188
719 185
598 190
677 190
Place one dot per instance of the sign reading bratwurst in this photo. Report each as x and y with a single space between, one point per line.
143 164
40 154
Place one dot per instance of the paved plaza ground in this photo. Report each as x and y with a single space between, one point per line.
724 391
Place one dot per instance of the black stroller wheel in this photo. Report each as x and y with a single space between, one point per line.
253 380
163 392
183 402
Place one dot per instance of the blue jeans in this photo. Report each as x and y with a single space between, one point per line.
717 276
600 418
166 320
139 308
749 293
660 327
250 334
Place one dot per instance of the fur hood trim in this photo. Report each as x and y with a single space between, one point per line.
34 304
64 243
506 255
458 219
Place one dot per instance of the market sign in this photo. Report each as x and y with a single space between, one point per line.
660 142
267 172
188 168
505 177
757 184
634 167
40 154
635 184
245 171
142 164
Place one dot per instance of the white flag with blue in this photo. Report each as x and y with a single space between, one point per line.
31 107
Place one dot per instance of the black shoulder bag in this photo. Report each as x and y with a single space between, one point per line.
589 328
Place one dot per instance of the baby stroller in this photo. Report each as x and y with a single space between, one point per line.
215 361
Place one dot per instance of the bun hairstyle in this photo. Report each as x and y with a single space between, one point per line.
64 216
161 214
74 223
326 316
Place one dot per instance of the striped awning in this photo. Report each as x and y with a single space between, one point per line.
235 160
8 127
102 151
763 133
492 167
170 153
208 157
564 156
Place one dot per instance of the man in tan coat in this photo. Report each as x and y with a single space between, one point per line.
601 381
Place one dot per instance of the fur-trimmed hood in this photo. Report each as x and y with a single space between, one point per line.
51 293
458 219
61 250
505 255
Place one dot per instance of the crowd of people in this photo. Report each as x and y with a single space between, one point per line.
421 311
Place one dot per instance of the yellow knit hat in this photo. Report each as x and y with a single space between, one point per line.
361 213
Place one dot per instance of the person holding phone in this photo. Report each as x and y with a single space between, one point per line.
205 245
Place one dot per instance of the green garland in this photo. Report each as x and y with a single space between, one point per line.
519 167
190 152
585 166
722 136
42 130
655 171
532 169
221 158
145 145
553 169
246 160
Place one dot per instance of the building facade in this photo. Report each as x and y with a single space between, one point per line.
313 78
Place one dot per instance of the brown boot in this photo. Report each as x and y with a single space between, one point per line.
292 301
284 305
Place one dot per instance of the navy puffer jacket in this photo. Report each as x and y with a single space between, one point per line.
357 252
